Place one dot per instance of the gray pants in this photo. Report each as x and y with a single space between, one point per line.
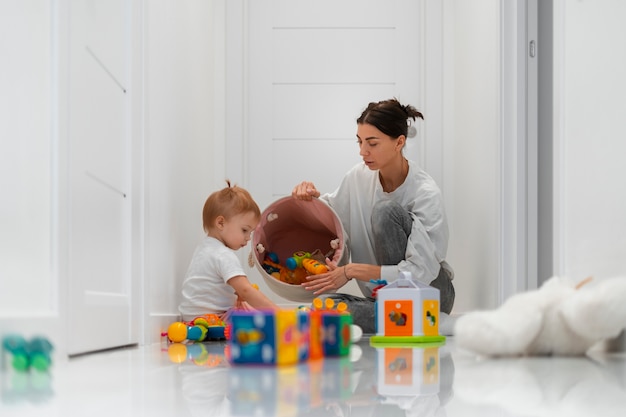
391 226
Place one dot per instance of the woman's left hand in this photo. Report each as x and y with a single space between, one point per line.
331 280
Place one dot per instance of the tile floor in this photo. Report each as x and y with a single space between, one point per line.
434 381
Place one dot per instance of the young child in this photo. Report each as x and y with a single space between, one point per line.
215 281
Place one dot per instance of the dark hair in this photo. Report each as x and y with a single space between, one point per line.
389 116
228 202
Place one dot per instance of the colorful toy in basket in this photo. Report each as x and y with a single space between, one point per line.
305 260
289 336
407 311
296 268
295 276
205 327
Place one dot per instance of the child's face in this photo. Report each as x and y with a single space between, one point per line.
235 232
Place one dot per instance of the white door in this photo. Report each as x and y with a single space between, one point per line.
312 68
99 176
299 73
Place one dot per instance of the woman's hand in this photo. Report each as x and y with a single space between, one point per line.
305 191
334 279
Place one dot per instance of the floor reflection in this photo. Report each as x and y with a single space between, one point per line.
389 381
544 386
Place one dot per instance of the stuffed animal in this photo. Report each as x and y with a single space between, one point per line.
559 318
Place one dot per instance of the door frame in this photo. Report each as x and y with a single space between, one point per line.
519 81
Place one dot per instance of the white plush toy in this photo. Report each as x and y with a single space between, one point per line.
560 318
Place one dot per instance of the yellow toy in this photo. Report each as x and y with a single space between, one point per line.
314 267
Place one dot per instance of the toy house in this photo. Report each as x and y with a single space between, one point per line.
407 311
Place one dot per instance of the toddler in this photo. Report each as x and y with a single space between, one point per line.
215 281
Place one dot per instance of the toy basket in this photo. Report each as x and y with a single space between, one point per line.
289 225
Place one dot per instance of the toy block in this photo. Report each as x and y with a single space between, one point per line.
316 347
330 333
336 339
264 337
407 311
408 371
304 330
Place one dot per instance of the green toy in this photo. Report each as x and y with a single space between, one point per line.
34 353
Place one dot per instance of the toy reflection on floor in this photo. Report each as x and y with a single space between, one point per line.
383 381
408 371
417 380
407 312
199 354
287 337
297 390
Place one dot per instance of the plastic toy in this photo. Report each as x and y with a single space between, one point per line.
290 336
295 276
295 261
206 327
381 283
336 331
560 318
313 266
34 353
263 337
407 312
310 262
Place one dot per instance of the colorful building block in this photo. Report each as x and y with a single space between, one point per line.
289 336
407 311
336 339
264 337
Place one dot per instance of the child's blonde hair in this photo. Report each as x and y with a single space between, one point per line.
228 202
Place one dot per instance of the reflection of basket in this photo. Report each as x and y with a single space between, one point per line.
289 225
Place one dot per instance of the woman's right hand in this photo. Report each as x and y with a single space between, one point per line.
305 191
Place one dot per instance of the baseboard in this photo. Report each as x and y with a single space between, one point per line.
157 324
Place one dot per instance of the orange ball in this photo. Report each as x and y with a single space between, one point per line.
177 332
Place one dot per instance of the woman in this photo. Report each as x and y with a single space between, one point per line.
392 212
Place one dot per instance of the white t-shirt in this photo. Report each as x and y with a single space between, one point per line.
353 201
205 289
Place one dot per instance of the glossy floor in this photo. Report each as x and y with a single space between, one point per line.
159 380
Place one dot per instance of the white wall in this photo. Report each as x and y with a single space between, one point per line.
179 146
472 177
28 274
589 192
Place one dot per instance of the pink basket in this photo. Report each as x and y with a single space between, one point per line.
289 225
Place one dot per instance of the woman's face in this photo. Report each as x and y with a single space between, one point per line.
377 149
